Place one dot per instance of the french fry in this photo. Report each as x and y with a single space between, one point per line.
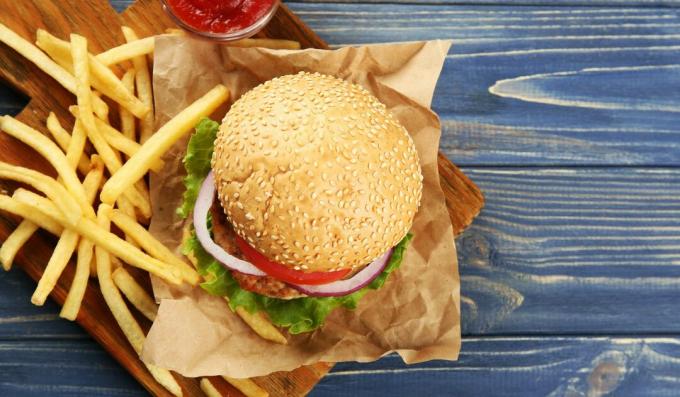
138 195
127 120
274 44
50 151
79 284
100 108
143 84
116 263
175 32
94 178
42 61
133 332
151 245
258 322
129 210
76 147
15 241
262 326
37 57
60 135
55 48
85 248
18 237
64 249
119 141
55 266
140 186
128 252
96 96
127 51
16 207
208 389
68 207
103 79
134 293
116 139
152 150
63 139
165 378
247 387
87 228
84 112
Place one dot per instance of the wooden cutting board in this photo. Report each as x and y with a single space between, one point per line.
96 20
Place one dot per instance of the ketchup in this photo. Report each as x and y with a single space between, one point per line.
220 16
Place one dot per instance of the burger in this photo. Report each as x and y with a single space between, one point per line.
301 200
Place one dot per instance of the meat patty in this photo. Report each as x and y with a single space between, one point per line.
263 285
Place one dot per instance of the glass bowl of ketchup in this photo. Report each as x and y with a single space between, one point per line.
223 20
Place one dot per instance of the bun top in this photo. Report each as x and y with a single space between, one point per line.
315 173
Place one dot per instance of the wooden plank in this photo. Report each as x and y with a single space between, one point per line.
62 368
96 20
21 319
584 86
521 366
577 250
508 366
580 250
11 101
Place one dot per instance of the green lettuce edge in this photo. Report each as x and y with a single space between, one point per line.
299 315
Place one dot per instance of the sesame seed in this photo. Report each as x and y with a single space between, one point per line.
313 155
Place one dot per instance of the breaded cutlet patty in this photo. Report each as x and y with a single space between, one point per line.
223 234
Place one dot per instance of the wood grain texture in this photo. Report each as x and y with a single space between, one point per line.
524 366
74 368
571 86
549 366
573 251
578 251
100 23
21 319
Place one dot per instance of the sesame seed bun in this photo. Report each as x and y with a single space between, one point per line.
315 173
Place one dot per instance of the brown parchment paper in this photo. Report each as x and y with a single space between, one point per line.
416 313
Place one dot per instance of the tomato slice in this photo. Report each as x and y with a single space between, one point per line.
283 273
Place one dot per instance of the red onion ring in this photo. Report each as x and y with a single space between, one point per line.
205 199
347 286
203 203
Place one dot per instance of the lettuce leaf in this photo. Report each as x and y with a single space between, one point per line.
197 162
298 315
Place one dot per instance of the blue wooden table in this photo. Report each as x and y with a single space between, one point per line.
567 115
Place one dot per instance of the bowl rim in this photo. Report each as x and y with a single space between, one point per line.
229 36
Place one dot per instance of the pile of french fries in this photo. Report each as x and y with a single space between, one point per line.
107 186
